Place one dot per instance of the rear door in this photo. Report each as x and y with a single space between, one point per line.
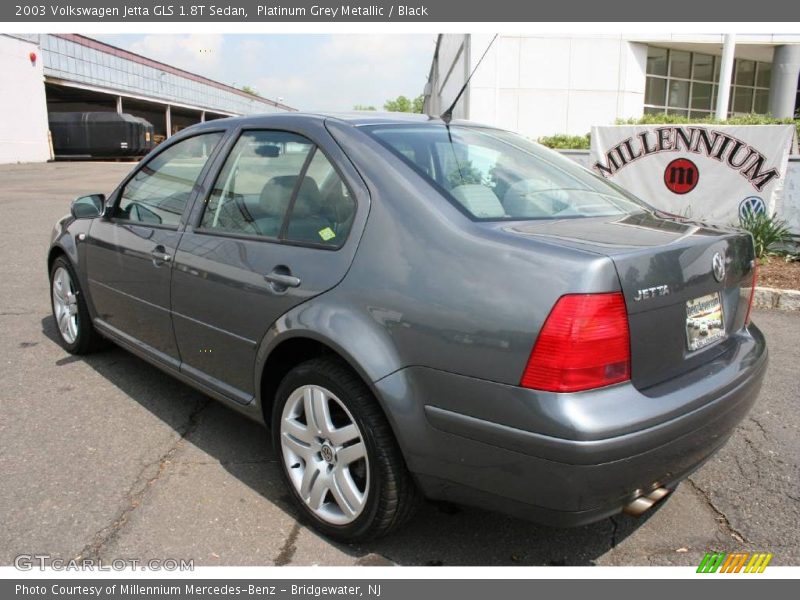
129 253
279 225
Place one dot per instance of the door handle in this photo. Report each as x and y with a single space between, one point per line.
281 278
160 255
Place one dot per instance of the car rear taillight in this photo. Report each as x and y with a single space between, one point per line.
583 344
752 293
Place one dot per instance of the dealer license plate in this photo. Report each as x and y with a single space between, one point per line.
705 323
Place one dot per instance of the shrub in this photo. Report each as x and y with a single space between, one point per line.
566 142
769 232
751 119
581 142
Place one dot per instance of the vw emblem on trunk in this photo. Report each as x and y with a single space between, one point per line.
718 266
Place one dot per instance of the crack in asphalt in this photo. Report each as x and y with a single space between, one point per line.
136 493
721 516
749 443
760 454
289 547
739 466
614 528
224 463
760 426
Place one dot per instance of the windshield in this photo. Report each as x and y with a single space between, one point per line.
494 175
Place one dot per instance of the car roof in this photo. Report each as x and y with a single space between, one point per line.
355 118
371 117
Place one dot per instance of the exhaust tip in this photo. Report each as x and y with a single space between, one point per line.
642 504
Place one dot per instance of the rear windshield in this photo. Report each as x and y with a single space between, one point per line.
494 175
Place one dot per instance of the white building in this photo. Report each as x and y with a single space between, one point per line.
23 124
46 73
551 84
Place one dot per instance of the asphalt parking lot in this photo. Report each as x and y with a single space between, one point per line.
105 456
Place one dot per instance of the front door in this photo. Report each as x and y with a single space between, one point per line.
129 254
274 231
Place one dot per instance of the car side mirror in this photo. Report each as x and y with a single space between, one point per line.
88 207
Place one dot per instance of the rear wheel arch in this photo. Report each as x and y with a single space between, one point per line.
293 351
365 490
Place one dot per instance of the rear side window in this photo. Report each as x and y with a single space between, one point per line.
493 175
159 191
279 185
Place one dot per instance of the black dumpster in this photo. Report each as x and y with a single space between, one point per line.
99 135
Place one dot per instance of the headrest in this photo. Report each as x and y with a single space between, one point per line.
277 192
275 195
309 200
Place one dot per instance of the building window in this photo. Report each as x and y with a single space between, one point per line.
685 83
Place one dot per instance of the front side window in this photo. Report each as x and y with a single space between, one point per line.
279 185
158 193
496 175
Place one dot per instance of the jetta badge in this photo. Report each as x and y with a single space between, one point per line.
651 292
718 266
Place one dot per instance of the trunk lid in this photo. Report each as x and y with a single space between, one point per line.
666 272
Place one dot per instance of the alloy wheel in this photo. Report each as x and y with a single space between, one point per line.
325 455
65 305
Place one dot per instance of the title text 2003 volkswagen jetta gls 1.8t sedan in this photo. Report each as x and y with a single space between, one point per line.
421 309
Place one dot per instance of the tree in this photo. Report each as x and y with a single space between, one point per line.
404 104
363 107
250 90
466 173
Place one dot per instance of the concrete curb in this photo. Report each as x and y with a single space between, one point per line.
766 297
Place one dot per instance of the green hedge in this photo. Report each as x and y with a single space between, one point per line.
680 120
581 142
566 142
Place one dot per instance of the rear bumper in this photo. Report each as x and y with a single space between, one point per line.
567 459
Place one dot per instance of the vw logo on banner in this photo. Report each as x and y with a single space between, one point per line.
752 205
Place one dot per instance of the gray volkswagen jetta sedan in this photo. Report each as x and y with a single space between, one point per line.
417 308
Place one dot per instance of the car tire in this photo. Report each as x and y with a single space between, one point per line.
366 498
73 323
